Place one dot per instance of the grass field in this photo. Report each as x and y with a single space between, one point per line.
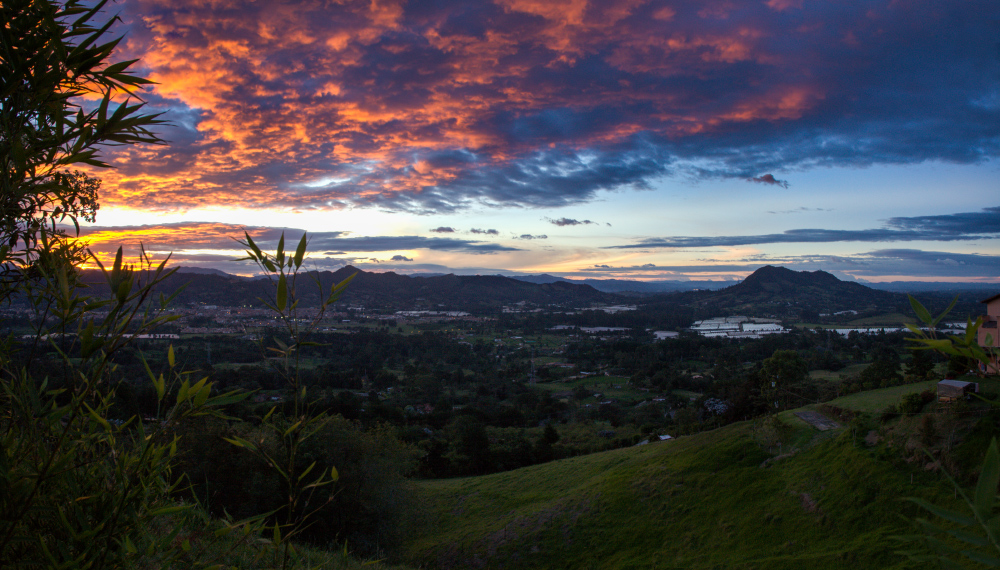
878 400
702 501
894 319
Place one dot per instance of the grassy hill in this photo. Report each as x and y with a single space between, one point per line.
703 501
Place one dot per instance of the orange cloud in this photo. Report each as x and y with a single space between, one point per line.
401 103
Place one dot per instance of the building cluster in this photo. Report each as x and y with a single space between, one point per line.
737 327
431 314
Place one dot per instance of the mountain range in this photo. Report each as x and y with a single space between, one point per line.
771 290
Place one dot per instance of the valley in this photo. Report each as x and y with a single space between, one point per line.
572 428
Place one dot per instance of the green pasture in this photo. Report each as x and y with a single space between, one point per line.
889 319
877 400
701 501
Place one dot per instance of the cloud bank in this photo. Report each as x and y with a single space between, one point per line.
436 107
882 263
220 240
947 227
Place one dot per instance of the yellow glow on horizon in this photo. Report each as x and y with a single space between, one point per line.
360 222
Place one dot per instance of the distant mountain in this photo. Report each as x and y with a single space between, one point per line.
379 290
628 285
667 286
475 292
770 281
769 290
204 271
783 292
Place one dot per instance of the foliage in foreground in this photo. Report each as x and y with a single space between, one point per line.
75 489
978 533
53 56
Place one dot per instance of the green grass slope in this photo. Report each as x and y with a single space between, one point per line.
703 501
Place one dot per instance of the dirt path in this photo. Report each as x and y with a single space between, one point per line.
817 420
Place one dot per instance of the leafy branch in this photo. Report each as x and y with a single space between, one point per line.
301 483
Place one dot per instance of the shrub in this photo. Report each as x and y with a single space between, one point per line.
911 404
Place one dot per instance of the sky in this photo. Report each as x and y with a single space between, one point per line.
628 139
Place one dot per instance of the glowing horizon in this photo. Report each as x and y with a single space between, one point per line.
638 139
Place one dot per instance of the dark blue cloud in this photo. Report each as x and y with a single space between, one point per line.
985 222
561 222
390 243
950 227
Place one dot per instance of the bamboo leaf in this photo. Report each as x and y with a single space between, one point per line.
922 313
256 250
202 396
945 312
197 387
300 251
239 442
292 428
307 470
279 256
168 510
281 296
972 539
170 356
944 513
981 558
228 398
161 387
182 392
97 417
986 487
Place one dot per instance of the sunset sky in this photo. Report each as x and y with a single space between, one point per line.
621 138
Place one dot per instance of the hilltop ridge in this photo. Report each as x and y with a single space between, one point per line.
387 290
770 290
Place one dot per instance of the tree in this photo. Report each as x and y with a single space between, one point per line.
920 365
77 490
61 100
884 369
470 452
784 369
